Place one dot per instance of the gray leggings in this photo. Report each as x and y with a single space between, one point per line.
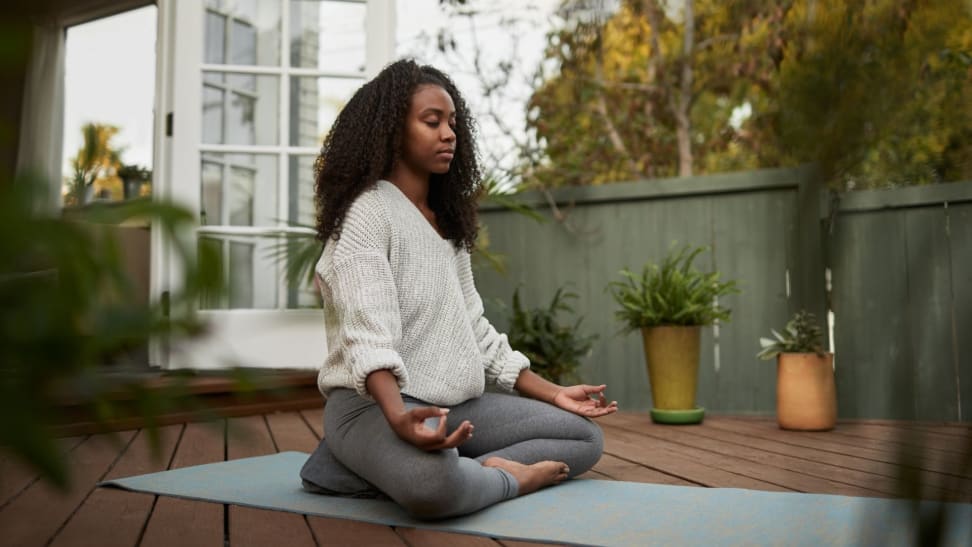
453 482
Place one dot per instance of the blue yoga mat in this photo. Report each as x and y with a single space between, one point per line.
582 512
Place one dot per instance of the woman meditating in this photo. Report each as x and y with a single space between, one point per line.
409 350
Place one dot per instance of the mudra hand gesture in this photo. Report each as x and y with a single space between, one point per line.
585 400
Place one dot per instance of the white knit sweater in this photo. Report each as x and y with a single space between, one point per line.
398 296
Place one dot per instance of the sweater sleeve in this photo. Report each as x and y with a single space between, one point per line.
503 364
364 296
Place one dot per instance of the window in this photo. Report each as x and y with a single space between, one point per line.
108 111
275 74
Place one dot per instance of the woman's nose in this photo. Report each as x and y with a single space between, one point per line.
449 134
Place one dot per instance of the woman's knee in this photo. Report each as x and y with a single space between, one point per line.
432 495
589 449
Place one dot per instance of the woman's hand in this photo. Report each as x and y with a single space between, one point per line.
577 399
410 427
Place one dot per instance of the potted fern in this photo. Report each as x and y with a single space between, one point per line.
554 348
806 395
670 303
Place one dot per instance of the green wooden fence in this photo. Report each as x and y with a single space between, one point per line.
763 227
902 297
901 270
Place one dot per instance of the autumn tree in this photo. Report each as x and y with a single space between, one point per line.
96 161
648 93
876 92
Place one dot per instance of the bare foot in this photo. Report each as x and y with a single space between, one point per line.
531 478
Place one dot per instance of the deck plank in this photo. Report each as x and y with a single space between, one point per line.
246 438
131 509
35 516
920 439
938 486
290 432
791 471
186 523
824 441
618 469
431 538
706 471
15 476
340 532
315 419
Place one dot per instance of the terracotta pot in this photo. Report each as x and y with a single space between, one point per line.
673 365
806 397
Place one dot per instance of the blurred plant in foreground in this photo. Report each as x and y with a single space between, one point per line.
69 308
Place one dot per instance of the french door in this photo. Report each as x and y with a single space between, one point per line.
248 89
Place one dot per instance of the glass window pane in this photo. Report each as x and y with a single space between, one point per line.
212 119
250 271
211 300
241 110
241 196
248 31
212 193
315 105
243 38
241 289
246 183
215 43
301 211
328 35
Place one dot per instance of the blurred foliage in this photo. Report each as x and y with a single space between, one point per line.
71 316
553 347
95 165
876 92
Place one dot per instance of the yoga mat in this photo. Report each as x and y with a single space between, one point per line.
582 512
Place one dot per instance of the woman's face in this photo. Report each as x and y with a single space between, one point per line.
430 136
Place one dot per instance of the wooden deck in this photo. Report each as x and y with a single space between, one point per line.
857 459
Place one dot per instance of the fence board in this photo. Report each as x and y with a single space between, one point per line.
960 324
872 361
928 309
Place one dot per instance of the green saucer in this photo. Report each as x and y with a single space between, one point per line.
677 417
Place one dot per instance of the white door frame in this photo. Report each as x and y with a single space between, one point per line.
268 338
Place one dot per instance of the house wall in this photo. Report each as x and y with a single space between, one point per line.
755 222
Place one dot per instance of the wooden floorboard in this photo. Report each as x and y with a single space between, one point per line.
839 445
131 510
858 458
35 516
315 419
797 473
15 476
183 523
248 437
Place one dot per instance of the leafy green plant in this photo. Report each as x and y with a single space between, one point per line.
553 347
672 293
71 315
134 172
802 334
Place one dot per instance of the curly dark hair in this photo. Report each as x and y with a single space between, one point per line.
366 140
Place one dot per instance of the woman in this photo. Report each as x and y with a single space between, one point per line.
409 350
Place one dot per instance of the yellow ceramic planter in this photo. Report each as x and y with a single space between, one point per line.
672 355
